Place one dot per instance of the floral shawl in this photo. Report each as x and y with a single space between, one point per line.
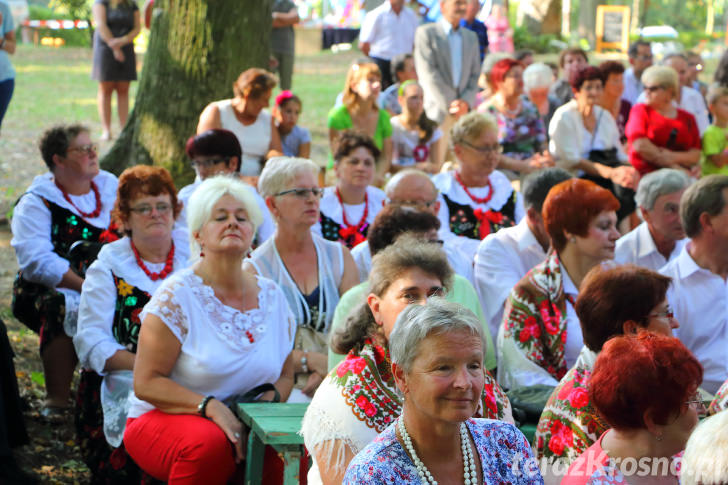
534 321
720 402
569 423
358 400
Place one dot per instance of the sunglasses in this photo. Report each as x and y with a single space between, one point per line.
652 89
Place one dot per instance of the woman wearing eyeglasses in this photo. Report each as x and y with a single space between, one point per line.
475 198
645 388
349 207
217 152
71 202
117 286
613 300
312 271
660 134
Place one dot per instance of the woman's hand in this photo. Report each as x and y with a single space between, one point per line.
222 416
115 43
314 381
118 55
625 176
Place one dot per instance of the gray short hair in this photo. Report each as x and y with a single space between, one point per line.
672 55
536 186
705 461
704 196
279 172
417 322
658 183
537 75
393 182
471 126
204 198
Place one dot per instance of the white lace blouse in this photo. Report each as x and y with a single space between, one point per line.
94 339
224 351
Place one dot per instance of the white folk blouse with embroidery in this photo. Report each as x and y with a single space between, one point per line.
217 356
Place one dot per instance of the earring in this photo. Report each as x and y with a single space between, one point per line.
202 252
658 437
572 239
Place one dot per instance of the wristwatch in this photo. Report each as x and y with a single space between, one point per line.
202 407
304 364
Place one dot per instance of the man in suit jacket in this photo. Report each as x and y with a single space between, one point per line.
447 62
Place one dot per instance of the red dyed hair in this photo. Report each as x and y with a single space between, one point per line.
571 206
500 70
140 181
637 374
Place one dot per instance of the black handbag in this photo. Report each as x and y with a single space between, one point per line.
528 402
251 396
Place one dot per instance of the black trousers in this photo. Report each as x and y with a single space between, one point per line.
12 426
384 67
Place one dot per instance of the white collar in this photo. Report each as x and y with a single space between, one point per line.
502 189
525 237
686 265
586 358
447 26
569 286
646 242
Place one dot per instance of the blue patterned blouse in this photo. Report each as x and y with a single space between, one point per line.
503 450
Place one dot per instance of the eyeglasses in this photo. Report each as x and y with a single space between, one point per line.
417 204
146 210
652 89
668 313
696 402
439 242
210 162
89 149
644 57
302 193
494 149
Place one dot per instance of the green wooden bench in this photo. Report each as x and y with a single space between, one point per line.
277 425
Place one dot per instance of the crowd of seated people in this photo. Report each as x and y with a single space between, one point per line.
567 234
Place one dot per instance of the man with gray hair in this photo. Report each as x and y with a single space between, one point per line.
661 237
504 257
698 296
686 98
413 188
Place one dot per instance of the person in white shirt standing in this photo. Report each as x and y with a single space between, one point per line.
504 257
686 98
699 292
640 58
661 237
387 31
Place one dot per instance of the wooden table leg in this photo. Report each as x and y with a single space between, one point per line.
254 460
291 466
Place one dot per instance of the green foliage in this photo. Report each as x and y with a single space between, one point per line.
38 378
73 37
540 44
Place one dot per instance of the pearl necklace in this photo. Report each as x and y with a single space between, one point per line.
470 473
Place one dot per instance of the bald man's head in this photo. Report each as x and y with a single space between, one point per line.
413 188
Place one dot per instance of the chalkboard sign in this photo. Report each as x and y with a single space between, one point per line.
612 27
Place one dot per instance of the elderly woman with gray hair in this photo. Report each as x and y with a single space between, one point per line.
210 333
437 364
537 80
312 271
358 399
661 237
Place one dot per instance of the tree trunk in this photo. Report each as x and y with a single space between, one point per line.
710 22
635 21
588 21
540 16
197 48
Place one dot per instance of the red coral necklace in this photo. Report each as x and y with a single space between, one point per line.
87 215
167 265
363 219
477 200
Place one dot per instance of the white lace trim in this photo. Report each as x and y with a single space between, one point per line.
502 190
322 434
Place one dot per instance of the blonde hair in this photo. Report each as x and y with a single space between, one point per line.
663 76
357 72
705 461
279 172
471 126
715 92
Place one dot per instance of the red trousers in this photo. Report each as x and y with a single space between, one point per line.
180 448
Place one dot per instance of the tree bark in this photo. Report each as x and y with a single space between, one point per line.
540 16
588 21
197 48
635 21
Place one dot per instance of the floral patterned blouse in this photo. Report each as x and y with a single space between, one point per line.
522 135
569 423
720 402
501 448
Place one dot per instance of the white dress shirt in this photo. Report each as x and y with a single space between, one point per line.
455 40
632 86
388 33
638 247
502 260
699 300
574 337
460 265
692 102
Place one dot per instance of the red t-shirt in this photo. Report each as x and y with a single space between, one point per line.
677 134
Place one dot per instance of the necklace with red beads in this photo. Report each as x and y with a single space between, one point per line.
477 200
87 215
167 265
363 219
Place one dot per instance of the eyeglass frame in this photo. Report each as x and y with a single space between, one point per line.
301 193
88 149
485 151
668 313
147 210
653 89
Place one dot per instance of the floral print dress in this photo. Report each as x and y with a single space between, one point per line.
569 423
503 451
720 402
521 135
